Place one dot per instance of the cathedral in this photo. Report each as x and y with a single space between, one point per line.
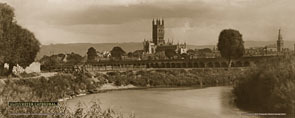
158 42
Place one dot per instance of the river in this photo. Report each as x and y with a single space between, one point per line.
211 102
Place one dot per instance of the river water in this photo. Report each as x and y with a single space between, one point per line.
211 102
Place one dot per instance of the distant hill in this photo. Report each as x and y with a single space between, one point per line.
81 48
287 44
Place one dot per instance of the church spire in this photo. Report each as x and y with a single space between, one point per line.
280 42
280 36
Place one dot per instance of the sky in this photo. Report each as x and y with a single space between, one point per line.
196 22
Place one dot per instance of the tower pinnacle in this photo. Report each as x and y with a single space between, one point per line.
158 32
280 36
280 42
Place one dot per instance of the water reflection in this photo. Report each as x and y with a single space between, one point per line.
212 102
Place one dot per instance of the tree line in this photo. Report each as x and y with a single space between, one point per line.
18 45
230 46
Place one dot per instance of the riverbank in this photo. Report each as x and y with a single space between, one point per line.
174 78
70 85
180 102
269 88
66 86
104 88
44 89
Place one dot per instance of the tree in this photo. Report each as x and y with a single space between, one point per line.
74 58
191 53
51 61
205 50
130 54
170 53
17 45
138 53
117 52
91 54
231 45
6 18
160 55
185 56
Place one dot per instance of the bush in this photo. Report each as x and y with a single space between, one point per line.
46 88
61 111
172 78
268 88
50 89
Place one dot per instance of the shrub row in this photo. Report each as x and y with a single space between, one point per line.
50 89
169 78
270 87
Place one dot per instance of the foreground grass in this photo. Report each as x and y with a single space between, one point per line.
61 111
51 89
268 88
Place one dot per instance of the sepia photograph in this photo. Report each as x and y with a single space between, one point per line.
147 59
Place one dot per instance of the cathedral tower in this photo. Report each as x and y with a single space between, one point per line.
158 32
280 42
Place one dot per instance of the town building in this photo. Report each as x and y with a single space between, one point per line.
255 51
272 49
280 42
276 48
158 43
103 56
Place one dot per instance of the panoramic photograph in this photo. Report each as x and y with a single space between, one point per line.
147 59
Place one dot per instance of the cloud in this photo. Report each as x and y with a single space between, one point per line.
118 14
191 21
